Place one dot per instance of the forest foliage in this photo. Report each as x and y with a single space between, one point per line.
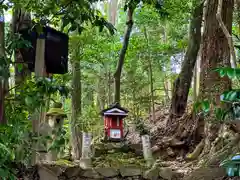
158 42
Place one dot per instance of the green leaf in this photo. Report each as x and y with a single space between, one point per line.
20 67
125 7
196 106
232 95
80 29
3 173
225 163
61 141
237 72
205 106
3 6
39 29
222 72
29 101
231 73
219 112
101 28
73 27
12 177
65 22
216 69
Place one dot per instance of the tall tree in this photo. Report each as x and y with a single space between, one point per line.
118 72
76 104
3 70
183 81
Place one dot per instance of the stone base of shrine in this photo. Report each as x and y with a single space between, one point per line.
60 172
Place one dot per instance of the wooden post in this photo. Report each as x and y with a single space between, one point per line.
147 153
40 71
85 161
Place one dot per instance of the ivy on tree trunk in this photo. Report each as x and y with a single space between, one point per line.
76 108
21 20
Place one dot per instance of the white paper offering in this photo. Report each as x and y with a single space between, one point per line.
115 133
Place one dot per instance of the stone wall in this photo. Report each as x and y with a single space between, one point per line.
50 172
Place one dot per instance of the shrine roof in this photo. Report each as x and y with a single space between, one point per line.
114 109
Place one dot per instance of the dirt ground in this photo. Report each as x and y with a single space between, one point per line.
173 140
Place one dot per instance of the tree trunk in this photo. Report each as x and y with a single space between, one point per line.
109 85
183 82
150 76
113 5
76 109
167 89
102 90
227 34
117 74
238 24
21 20
238 16
112 17
195 84
4 65
215 53
166 80
197 75
214 39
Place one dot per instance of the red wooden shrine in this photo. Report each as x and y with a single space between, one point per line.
113 122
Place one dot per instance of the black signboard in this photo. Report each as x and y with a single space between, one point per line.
56 50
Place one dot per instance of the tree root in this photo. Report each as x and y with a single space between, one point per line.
214 158
197 151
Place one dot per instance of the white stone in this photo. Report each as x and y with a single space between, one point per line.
85 161
147 153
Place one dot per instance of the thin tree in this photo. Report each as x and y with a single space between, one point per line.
76 104
3 65
150 75
118 72
183 82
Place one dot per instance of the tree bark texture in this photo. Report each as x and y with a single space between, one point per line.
118 72
233 59
3 80
76 109
21 20
215 53
183 82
